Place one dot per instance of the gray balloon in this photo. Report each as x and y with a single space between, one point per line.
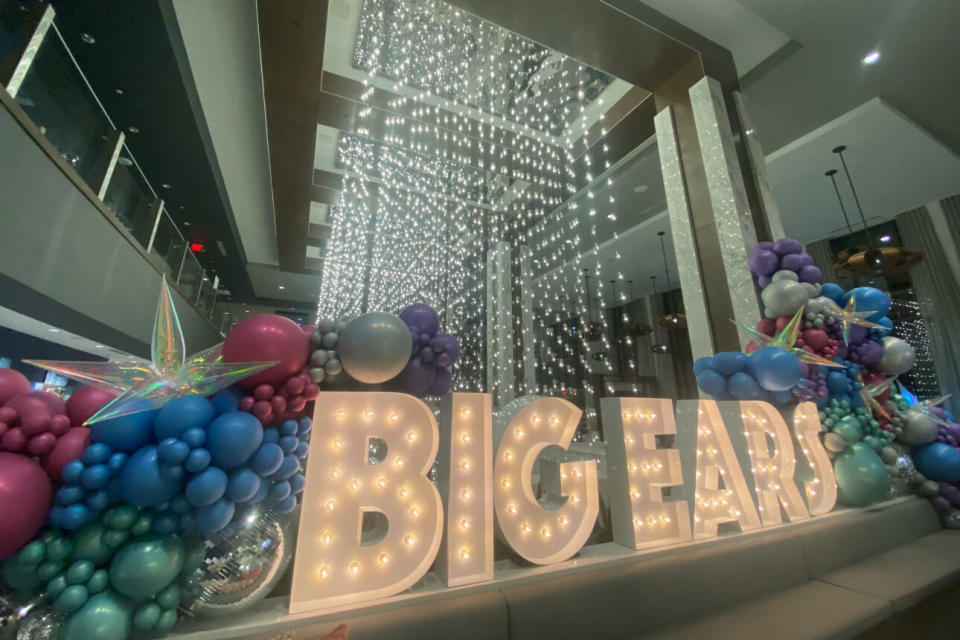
375 347
325 325
340 326
319 357
330 340
898 356
316 338
317 374
333 367
918 428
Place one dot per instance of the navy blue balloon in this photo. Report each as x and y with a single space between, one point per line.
126 433
233 438
832 290
938 461
711 382
267 459
207 487
289 466
243 485
702 364
743 387
216 516
141 482
730 362
180 414
868 299
226 400
774 369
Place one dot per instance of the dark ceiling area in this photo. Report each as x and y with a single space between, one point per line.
137 66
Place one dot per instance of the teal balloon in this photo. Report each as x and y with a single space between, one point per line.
849 430
861 475
145 566
147 616
105 616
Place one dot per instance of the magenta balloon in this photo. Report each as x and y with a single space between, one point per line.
421 316
54 402
33 412
12 383
268 337
86 401
70 446
24 501
417 377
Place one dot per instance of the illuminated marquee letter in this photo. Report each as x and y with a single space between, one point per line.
332 567
716 463
822 489
639 472
541 535
772 470
465 477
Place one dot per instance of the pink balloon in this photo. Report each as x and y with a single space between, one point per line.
59 425
263 392
69 447
296 404
12 383
262 409
246 403
24 501
263 338
308 329
54 403
33 412
42 444
85 402
278 404
13 440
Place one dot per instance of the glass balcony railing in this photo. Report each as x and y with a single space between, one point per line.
46 82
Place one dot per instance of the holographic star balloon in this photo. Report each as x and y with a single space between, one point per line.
924 406
786 338
849 316
870 392
170 374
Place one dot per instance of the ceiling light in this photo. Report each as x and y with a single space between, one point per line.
186 224
166 185
119 92
86 37
51 330
872 57
281 287
98 346
133 130
884 238
640 188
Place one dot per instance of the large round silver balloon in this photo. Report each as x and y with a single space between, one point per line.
898 356
375 347
243 563
917 428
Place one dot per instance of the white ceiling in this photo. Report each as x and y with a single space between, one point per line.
895 165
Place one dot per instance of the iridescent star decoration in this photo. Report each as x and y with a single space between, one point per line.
849 316
786 338
150 385
870 392
924 406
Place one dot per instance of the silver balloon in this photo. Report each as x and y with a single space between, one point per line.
784 296
898 487
375 347
917 428
898 356
42 623
243 562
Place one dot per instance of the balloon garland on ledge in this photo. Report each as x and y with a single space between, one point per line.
820 343
173 486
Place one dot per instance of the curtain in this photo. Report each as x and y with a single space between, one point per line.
937 294
823 258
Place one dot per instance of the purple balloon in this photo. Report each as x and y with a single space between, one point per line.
442 383
939 412
810 273
448 344
426 354
870 352
954 430
784 246
763 262
764 281
417 377
421 316
424 339
805 259
765 245
443 360
792 261
941 504
950 492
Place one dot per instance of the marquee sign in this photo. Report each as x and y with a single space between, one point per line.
730 464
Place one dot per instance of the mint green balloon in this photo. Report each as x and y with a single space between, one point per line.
849 430
861 475
105 616
146 565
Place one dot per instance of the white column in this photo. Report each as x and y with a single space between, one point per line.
758 167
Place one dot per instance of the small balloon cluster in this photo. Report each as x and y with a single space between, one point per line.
820 343
180 503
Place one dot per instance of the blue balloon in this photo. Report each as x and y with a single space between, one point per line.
832 291
180 414
194 437
304 424
97 501
288 443
289 466
72 471
730 362
226 401
165 523
75 516
868 299
271 435
702 364
938 461
173 451
774 369
887 323
711 382
116 461
232 438
278 492
96 453
243 485
95 477
207 487
862 477
126 433
69 495
780 397
216 516
267 459
302 449
141 482
197 461
261 493
289 428
742 386
297 482
285 506
837 382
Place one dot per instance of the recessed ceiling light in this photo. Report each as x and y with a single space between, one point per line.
872 57
98 346
51 330
119 92
640 188
86 37
281 287
884 238
133 130
167 185
186 224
